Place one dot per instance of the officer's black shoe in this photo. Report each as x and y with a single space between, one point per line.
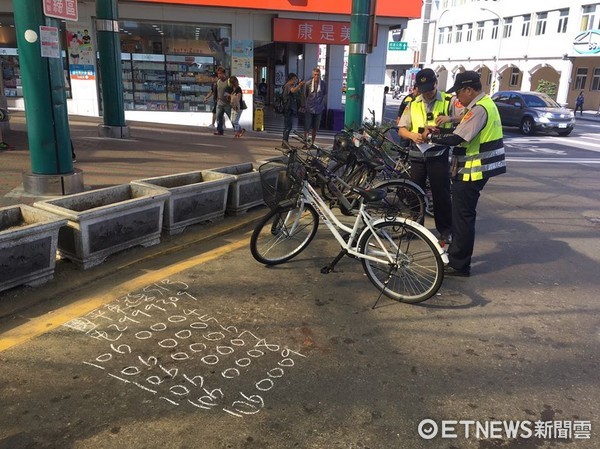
449 271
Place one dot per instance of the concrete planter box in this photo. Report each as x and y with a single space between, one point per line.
282 158
245 191
105 221
195 197
28 240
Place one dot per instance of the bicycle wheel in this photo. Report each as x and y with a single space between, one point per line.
284 233
403 200
417 270
342 170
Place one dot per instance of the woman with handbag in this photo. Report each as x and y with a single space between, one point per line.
237 106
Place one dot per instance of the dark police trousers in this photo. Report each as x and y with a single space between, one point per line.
437 168
465 195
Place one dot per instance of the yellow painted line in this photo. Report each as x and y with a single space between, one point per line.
40 325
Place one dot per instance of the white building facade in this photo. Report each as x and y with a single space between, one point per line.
514 45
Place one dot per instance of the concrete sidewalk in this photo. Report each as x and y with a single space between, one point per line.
153 150
593 116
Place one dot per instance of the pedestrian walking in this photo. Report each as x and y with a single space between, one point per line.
237 106
478 155
290 105
3 144
579 103
223 100
315 92
386 90
213 94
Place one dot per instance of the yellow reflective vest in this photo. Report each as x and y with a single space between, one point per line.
484 155
418 119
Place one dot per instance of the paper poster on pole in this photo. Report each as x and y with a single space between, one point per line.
49 44
80 50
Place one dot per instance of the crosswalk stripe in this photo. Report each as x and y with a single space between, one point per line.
569 143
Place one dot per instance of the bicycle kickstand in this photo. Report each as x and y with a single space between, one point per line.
387 281
329 268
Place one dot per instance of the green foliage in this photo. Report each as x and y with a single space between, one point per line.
547 87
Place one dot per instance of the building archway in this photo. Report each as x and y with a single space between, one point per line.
545 74
451 75
510 77
486 74
442 75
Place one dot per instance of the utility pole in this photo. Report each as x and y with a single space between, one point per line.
45 106
359 39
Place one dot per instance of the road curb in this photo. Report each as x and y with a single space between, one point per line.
68 278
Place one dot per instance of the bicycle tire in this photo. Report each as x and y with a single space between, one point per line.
283 233
403 200
342 170
418 269
360 177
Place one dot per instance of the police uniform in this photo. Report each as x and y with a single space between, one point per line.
434 162
474 161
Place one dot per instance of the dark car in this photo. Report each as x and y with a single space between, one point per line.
533 111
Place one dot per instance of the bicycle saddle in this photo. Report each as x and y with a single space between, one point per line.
370 196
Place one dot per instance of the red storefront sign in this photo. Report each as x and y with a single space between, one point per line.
311 31
61 9
383 8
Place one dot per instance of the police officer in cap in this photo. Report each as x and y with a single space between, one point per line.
478 155
432 108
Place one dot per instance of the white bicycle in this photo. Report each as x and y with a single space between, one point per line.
399 256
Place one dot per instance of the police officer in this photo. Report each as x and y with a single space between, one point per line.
477 156
431 108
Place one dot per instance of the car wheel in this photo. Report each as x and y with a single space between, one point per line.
565 133
527 126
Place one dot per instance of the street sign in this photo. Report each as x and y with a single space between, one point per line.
61 9
403 46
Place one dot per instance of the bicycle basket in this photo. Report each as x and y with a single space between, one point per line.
280 181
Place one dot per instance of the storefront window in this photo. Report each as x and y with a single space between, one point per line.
9 58
170 66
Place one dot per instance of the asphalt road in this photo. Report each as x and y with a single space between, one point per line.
206 348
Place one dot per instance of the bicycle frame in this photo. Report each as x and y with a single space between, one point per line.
310 196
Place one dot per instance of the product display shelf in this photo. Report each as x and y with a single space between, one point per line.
167 83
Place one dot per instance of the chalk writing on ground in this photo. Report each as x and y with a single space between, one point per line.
160 340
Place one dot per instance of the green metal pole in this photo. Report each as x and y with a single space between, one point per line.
43 92
359 38
109 47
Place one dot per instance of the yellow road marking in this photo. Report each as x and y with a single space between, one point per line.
40 325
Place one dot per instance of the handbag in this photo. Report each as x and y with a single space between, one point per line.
243 105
